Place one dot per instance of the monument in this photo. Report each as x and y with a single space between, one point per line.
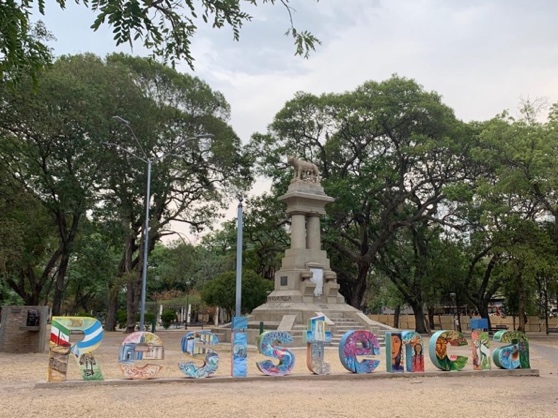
305 285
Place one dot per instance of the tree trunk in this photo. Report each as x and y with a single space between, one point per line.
396 316
483 312
60 284
112 308
418 311
431 320
458 313
133 301
126 272
522 304
356 291
545 295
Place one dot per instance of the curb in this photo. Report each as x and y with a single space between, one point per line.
297 377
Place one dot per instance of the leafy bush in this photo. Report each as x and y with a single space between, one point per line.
122 318
221 291
167 317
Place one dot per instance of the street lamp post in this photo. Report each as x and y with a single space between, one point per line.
239 258
148 160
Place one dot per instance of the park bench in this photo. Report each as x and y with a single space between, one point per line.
553 329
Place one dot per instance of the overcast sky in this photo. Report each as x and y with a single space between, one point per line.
482 56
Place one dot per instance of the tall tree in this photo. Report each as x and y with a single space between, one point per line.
27 239
386 152
425 266
513 200
193 173
52 138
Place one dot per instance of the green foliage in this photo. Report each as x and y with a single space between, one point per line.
386 151
167 317
54 142
91 270
27 237
8 296
221 291
166 27
22 44
122 318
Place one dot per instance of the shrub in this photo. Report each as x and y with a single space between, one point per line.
167 317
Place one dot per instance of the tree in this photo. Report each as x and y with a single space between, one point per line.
193 173
166 27
221 291
265 235
424 264
386 152
92 267
27 238
51 141
516 195
22 44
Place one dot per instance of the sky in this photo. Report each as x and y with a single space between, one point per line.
481 56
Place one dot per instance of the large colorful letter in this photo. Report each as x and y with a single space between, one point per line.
438 350
481 342
316 337
481 350
196 344
414 351
358 343
60 347
514 355
239 367
140 346
266 347
394 352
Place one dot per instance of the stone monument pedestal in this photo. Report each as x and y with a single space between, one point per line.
305 284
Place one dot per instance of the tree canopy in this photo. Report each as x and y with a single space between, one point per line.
166 27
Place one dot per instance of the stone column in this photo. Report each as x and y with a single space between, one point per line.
313 233
298 231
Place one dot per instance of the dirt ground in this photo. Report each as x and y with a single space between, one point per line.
421 396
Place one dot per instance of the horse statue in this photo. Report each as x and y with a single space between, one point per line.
304 170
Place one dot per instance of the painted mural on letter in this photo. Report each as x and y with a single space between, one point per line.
197 344
512 356
268 347
359 343
438 350
481 351
239 364
414 351
140 345
316 338
60 347
394 352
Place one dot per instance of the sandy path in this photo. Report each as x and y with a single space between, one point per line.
418 397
